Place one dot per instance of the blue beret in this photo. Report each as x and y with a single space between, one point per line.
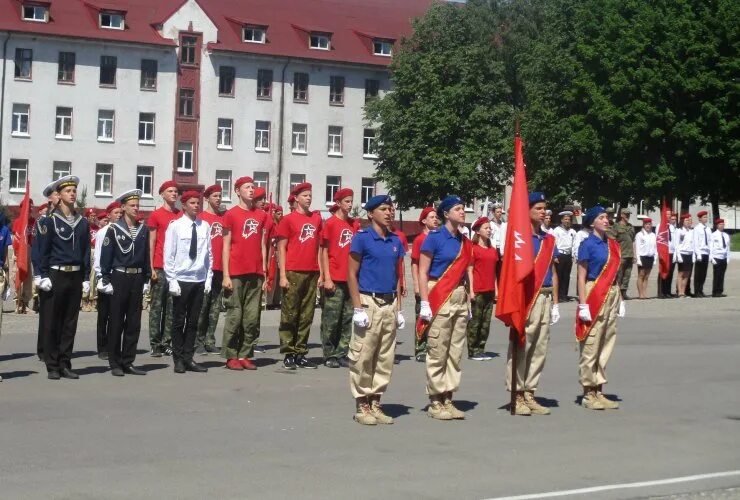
536 197
376 201
592 213
447 204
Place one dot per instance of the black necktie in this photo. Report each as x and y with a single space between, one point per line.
706 241
722 235
193 243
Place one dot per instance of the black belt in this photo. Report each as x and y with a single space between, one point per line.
385 297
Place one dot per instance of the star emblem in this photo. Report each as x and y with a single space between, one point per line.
307 232
250 228
217 230
345 238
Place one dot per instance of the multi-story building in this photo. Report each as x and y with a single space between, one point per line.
127 94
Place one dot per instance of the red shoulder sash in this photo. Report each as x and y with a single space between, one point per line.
597 295
542 262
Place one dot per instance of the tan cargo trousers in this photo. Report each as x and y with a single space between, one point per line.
530 360
446 343
372 349
596 349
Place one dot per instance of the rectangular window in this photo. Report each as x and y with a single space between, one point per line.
296 179
23 63
262 136
333 182
18 175
264 84
103 179
300 135
37 13
106 124
108 65
185 156
146 127
223 179
66 72
60 169
225 129
335 141
21 120
111 20
254 34
261 179
382 48
368 143
187 102
368 189
63 126
372 88
187 50
336 90
320 41
300 87
226 76
144 180
149 70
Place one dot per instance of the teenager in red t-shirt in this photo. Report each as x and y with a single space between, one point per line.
482 277
298 236
273 295
208 320
336 314
160 309
244 269
429 221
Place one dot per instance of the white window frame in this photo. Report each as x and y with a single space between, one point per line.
261 179
149 126
368 141
262 136
225 135
18 166
224 179
231 70
114 59
383 48
367 192
18 120
57 168
60 122
254 34
184 156
44 10
111 17
144 78
264 92
63 73
295 90
332 188
296 179
319 41
335 132
145 172
104 121
100 176
299 138
337 98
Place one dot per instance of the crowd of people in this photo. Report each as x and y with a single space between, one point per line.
193 261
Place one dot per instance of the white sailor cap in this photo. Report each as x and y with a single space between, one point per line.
565 212
497 204
131 194
49 189
548 212
67 180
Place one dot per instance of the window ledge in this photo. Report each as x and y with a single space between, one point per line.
185 171
226 95
22 79
225 148
62 82
147 143
18 190
107 85
145 89
300 101
299 152
337 104
264 98
103 195
262 150
103 139
63 137
147 197
22 135
370 157
336 155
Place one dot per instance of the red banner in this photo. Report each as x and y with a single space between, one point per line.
662 238
20 239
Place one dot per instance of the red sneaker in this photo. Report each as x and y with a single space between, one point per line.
248 364
234 364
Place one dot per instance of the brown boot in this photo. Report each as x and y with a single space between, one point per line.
364 415
520 406
590 400
608 403
533 405
447 403
376 410
437 409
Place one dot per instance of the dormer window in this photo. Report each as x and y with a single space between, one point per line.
36 13
320 41
382 47
255 34
112 20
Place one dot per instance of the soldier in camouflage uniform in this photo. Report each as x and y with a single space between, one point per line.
624 233
205 342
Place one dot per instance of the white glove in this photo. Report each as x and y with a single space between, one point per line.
45 285
639 262
400 321
175 289
679 259
107 289
85 287
622 309
554 314
145 290
584 313
360 317
425 312
36 281
714 261
207 289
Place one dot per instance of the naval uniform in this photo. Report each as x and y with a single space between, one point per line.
103 323
720 256
701 235
564 241
44 297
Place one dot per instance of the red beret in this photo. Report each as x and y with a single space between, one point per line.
189 194
424 214
685 216
102 214
242 180
303 186
702 213
646 220
479 222
342 194
89 212
167 185
333 208
278 208
719 221
112 206
216 188
291 198
259 193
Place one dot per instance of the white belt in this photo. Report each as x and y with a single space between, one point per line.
129 270
67 269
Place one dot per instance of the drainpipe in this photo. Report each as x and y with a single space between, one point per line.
2 99
281 133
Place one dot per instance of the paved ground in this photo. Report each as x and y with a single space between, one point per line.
275 434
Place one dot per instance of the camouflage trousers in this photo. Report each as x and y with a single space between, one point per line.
160 312
296 314
624 273
209 312
243 313
480 323
336 321
420 345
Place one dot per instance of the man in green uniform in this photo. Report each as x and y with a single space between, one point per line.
624 233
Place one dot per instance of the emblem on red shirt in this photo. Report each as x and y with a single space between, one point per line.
345 238
217 230
307 232
250 228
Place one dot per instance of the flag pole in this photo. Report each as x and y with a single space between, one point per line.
513 339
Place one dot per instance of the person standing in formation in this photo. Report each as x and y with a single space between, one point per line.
547 223
664 285
482 278
6 241
498 234
599 305
701 234
211 309
64 255
646 248
160 309
244 269
273 291
373 283
543 310
720 257
429 222
444 311
124 265
684 254
624 233
44 297
24 290
336 315
114 213
89 301
188 262
565 237
299 236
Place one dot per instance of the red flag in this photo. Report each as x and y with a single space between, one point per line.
662 238
20 239
518 262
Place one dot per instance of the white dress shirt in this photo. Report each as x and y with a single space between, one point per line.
720 243
99 237
177 263
702 235
684 244
671 239
646 244
564 239
581 235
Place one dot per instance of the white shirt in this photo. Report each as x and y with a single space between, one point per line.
702 235
177 263
671 238
646 244
464 230
581 235
720 243
685 240
99 237
564 239
498 232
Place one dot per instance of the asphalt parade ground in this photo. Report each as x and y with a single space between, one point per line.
274 434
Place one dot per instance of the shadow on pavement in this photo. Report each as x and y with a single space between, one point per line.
154 366
463 405
260 362
547 402
395 410
212 364
89 370
82 354
401 357
17 355
17 374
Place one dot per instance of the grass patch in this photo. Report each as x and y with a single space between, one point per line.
735 242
